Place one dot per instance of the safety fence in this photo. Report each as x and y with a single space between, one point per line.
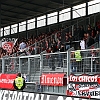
33 66
89 63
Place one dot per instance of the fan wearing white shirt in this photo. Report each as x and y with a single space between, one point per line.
82 44
22 47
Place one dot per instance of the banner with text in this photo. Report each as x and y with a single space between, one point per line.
84 86
52 79
15 95
6 81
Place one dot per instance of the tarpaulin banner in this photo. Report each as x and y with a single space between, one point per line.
15 95
84 78
6 81
84 86
52 79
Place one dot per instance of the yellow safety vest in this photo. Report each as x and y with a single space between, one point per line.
78 55
19 82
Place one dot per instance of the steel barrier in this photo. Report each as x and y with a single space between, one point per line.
33 66
90 62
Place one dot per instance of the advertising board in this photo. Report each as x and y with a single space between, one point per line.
52 79
15 95
6 81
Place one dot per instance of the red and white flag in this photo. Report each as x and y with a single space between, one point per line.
8 44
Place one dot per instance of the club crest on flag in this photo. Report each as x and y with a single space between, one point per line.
8 44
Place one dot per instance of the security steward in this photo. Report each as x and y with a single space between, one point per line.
19 82
78 58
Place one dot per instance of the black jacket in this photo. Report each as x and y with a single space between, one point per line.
16 88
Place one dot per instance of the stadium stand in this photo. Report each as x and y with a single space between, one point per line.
49 40
53 51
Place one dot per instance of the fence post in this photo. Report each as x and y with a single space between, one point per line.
3 65
68 62
41 67
41 62
91 64
20 63
68 66
28 69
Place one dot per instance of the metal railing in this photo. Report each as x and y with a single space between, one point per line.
90 62
52 62
60 62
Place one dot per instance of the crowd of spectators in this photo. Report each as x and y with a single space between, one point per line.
56 39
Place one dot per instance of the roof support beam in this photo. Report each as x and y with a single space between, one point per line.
35 4
13 17
64 4
16 12
57 1
10 20
21 7
4 21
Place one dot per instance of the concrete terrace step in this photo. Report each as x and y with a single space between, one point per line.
36 74
56 69
35 79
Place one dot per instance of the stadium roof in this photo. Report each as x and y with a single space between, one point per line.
14 11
